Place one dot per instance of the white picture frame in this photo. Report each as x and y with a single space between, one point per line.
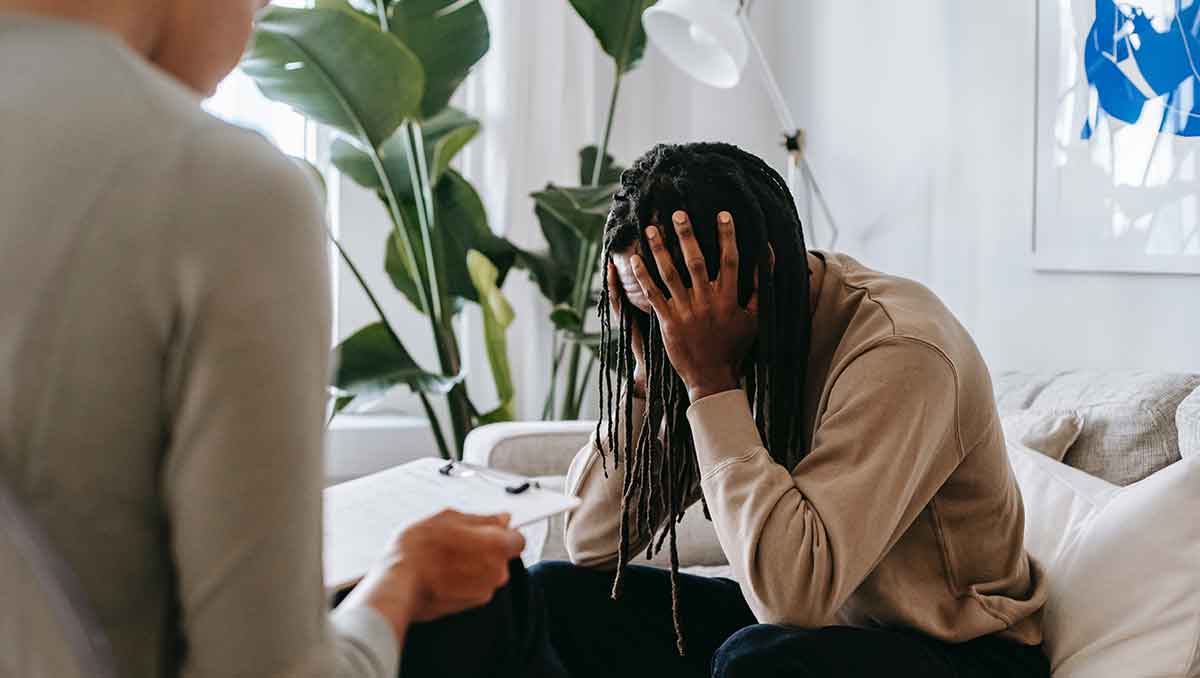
1127 199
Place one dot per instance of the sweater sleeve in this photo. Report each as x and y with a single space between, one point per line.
801 541
247 373
593 530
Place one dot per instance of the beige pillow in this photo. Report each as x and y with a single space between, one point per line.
1051 432
1187 420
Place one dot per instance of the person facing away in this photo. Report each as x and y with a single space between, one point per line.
163 362
837 422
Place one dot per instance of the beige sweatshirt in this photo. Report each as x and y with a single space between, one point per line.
905 512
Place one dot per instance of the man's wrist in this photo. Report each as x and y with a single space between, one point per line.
706 385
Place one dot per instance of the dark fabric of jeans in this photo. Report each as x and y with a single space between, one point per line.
507 638
594 635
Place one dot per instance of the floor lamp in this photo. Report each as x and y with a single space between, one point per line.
710 40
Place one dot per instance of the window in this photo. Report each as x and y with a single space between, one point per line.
239 101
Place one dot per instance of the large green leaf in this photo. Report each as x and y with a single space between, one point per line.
497 316
584 209
462 226
554 270
445 134
552 279
336 67
372 360
618 26
448 36
610 171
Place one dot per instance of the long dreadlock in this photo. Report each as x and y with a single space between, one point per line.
661 474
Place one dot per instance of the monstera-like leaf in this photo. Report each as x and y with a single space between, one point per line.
618 26
334 66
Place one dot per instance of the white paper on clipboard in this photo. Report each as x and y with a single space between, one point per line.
362 515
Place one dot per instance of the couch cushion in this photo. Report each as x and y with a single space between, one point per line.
1187 420
1120 564
1047 431
1129 426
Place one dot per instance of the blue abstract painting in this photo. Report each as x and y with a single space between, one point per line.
1118 136
1132 57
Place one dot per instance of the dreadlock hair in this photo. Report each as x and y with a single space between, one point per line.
661 470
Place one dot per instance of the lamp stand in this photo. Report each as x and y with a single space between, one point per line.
794 138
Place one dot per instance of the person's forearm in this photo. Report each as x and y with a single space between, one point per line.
593 530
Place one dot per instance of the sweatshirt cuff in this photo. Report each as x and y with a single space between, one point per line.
723 429
372 634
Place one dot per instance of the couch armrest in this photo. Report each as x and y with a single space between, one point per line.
539 449
528 448
536 449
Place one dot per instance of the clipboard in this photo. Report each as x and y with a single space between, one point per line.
361 515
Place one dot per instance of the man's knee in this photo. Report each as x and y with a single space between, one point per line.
566 586
760 651
557 576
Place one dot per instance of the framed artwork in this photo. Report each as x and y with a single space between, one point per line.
1118 136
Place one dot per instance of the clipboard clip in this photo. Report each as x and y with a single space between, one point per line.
519 484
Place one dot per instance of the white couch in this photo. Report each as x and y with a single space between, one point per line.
1134 424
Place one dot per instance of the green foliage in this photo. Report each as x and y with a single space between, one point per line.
445 134
336 68
617 24
497 316
382 73
448 37
373 360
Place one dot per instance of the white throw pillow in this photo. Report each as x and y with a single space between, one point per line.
1122 565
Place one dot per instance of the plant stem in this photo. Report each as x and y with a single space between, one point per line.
557 349
587 375
438 306
608 124
436 425
589 256
382 11
434 421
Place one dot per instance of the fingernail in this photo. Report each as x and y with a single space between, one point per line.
652 233
680 217
724 217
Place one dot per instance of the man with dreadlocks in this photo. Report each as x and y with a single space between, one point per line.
837 423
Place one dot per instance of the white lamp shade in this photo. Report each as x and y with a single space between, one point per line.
702 37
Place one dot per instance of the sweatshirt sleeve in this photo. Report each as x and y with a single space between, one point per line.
245 396
593 530
801 542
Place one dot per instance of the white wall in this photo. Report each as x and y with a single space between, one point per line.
921 116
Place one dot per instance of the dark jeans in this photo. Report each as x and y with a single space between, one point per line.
507 638
633 637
